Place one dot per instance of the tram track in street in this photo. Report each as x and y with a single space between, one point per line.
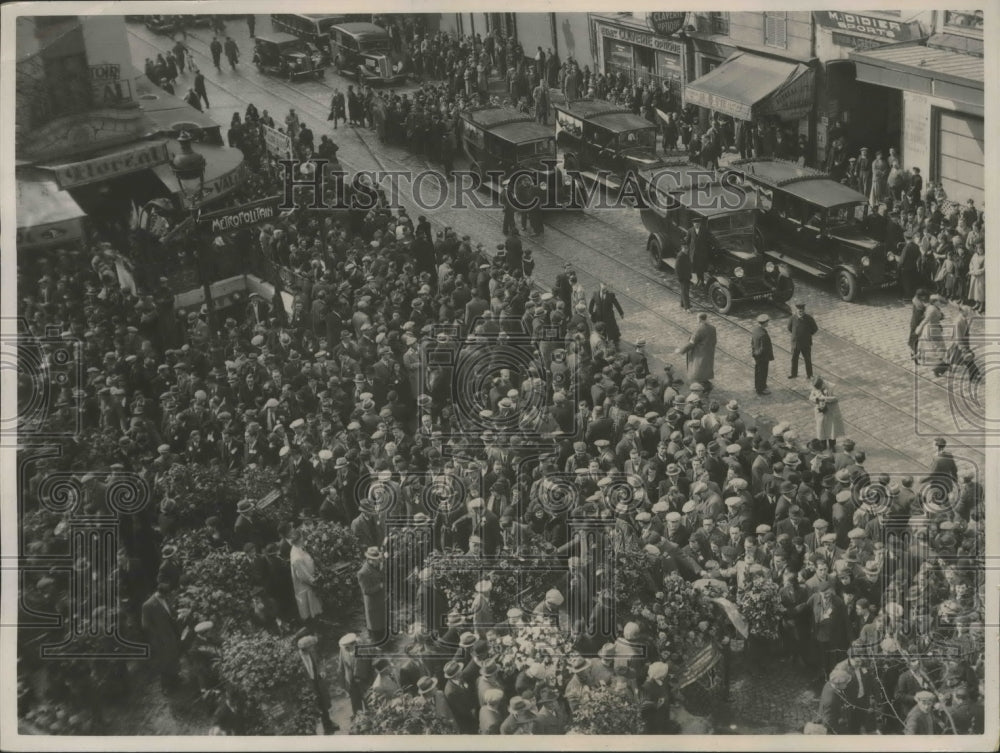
316 110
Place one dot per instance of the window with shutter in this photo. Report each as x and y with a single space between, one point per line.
775 30
719 23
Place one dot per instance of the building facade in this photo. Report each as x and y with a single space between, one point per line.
939 83
93 136
566 34
756 67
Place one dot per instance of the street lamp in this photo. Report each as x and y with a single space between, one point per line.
189 169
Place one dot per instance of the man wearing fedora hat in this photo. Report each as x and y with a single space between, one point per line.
520 720
489 678
245 529
372 580
461 699
427 688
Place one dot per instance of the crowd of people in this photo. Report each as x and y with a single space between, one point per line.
940 241
413 354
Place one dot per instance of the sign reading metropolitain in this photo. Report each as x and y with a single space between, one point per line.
247 215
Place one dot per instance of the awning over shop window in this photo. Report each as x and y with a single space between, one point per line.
224 170
748 86
46 215
928 70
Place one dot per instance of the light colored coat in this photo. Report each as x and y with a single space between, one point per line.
829 424
303 577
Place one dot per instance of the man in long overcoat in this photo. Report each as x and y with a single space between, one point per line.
763 354
700 352
602 309
163 635
371 578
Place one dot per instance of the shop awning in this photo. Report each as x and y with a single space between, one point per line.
927 70
46 215
224 170
747 86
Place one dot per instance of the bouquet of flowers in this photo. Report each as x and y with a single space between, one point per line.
515 579
541 644
199 491
192 546
630 579
255 483
218 588
761 607
401 715
606 710
335 550
680 617
267 674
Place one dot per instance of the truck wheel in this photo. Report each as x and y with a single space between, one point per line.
721 298
847 285
653 246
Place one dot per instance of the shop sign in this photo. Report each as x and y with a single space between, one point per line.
641 38
222 185
666 23
856 42
108 86
247 215
738 110
859 23
278 144
120 163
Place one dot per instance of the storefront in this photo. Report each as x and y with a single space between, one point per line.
862 113
942 125
754 88
633 47
106 183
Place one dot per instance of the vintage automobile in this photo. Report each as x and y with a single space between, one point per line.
736 271
604 141
504 140
287 56
817 225
314 27
364 51
164 24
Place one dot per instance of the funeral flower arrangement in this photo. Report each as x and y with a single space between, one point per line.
217 588
536 644
336 553
261 668
679 617
257 482
761 607
198 492
401 715
605 710
516 581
